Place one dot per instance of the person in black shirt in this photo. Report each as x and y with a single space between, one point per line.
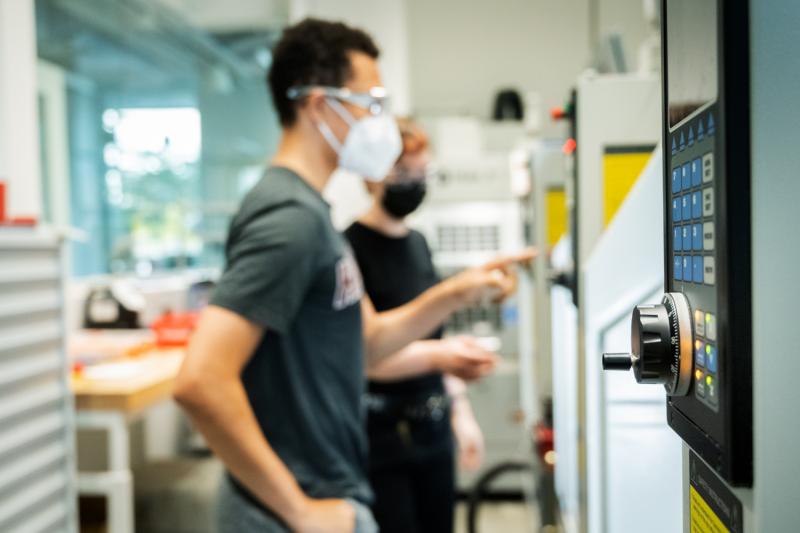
411 460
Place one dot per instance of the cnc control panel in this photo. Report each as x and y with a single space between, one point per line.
697 342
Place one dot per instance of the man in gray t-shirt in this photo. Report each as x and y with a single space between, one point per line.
292 273
274 373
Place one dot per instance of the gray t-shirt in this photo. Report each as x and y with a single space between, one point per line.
289 271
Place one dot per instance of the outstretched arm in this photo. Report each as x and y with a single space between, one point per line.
390 331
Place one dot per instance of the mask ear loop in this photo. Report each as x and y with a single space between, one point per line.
329 136
326 131
340 110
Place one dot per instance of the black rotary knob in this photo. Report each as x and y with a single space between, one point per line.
661 345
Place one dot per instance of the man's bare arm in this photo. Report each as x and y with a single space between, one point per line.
210 389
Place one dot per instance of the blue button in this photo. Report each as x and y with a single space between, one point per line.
687 268
686 235
674 146
676 210
677 239
683 142
711 357
686 176
697 269
677 267
711 126
697 204
700 131
697 172
686 206
700 353
697 237
691 136
676 180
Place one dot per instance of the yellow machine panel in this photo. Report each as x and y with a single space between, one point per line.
621 167
556 215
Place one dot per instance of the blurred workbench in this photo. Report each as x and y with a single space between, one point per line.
114 382
129 385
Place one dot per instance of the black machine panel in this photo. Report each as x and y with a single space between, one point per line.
707 223
697 343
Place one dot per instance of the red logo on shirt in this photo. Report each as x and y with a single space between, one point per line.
349 286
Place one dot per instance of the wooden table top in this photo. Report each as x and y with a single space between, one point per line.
130 385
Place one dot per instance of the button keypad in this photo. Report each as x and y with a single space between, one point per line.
699 323
700 383
691 183
700 353
686 176
697 204
706 360
711 389
697 269
709 271
708 236
708 168
711 357
697 172
711 326
697 237
708 202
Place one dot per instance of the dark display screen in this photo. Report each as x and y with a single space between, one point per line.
692 56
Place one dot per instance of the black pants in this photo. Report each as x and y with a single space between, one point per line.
413 476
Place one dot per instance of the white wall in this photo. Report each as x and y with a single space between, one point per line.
385 21
463 51
19 132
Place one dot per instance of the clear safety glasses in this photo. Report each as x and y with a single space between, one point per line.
376 100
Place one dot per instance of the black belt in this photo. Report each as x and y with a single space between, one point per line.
431 407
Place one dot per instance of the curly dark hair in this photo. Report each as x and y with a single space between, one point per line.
313 52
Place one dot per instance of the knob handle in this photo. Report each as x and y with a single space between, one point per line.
617 361
661 345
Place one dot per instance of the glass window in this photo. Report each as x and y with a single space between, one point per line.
168 126
152 187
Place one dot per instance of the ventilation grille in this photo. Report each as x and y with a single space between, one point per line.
481 320
36 478
470 238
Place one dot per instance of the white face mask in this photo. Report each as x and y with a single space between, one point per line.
371 147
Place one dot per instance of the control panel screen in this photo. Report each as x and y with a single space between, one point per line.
692 56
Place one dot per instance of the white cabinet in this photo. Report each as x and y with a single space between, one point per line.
37 468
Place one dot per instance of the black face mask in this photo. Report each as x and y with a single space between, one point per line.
401 199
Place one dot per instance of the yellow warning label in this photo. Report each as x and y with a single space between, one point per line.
620 172
703 519
556 214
